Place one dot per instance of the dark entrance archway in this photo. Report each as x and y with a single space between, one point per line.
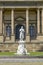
17 31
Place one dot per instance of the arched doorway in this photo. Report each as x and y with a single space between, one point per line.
17 31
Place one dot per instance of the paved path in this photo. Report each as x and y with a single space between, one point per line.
21 60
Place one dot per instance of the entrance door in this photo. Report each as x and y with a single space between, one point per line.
17 33
32 30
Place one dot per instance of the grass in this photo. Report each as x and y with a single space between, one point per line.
36 53
13 54
6 53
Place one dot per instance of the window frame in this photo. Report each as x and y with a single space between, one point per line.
6 22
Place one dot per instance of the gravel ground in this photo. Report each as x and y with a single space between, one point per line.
22 63
20 60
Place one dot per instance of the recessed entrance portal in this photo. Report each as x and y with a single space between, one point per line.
32 30
17 31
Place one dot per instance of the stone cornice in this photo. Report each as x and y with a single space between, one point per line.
21 0
20 4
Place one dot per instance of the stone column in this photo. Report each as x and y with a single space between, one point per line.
27 22
27 26
1 10
12 21
39 37
38 21
1 18
42 21
12 25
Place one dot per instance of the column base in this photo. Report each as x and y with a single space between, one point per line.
27 38
1 38
12 38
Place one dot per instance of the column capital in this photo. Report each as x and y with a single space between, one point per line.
12 9
27 8
38 10
12 12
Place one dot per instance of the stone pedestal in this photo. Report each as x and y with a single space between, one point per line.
21 48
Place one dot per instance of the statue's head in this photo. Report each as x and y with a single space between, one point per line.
21 27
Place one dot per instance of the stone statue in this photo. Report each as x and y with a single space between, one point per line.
21 47
21 33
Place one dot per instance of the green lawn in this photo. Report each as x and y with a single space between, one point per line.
7 53
36 53
13 54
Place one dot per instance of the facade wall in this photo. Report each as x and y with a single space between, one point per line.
27 18
13 47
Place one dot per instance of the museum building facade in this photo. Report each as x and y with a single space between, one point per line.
13 15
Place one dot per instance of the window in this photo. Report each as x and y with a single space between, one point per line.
33 24
8 31
32 16
32 32
7 16
7 22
